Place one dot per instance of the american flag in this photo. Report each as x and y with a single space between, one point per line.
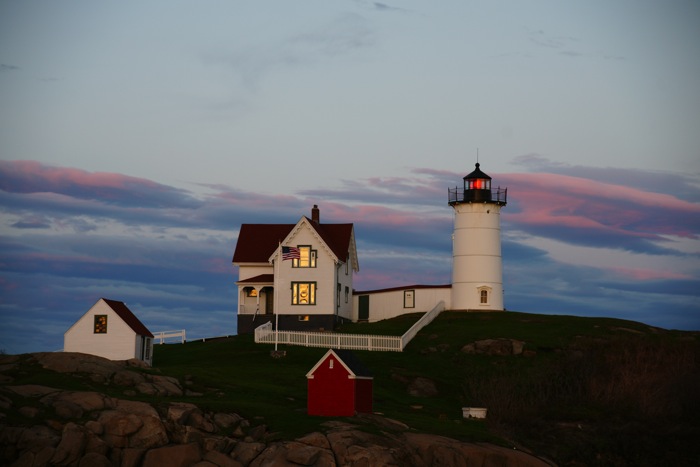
290 252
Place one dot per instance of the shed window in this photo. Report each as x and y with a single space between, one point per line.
100 324
147 352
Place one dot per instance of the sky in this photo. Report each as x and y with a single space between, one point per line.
136 138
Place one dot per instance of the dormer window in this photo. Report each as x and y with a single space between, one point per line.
307 258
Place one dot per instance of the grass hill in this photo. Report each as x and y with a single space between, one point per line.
585 391
597 391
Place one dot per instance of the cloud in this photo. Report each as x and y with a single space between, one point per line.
252 63
5 67
383 7
108 188
576 240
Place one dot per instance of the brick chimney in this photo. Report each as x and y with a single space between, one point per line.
315 214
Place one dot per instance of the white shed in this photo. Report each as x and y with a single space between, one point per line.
110 330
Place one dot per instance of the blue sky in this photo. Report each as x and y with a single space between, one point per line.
136 137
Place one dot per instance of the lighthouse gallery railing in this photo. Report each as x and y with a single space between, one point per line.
498 195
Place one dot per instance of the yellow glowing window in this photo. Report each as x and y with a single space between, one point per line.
307 258
303 293
100 324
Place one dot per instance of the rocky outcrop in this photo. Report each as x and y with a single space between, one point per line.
500 347
88 428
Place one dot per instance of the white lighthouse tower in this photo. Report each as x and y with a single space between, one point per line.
477 267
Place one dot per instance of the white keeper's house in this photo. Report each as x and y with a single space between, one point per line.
301 275
309 287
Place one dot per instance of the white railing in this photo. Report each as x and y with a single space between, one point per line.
161 336
264 334
424 320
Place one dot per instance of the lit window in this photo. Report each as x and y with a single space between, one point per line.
484 294
100 324
303 293
307 258
480 184
252 292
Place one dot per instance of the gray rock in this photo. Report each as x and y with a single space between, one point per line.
422 387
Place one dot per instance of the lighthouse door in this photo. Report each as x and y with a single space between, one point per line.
363 308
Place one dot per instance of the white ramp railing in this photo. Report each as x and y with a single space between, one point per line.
161 336
264 334
424 320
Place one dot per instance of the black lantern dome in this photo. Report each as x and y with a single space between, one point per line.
477 186
477 189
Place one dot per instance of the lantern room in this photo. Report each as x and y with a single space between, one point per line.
477 186
477 189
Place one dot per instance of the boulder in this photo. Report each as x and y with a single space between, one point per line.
245 452
496 347
220 459
93 459
182 455
72 446
422 387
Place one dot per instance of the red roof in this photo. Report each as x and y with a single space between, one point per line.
262 278
128 317
257 242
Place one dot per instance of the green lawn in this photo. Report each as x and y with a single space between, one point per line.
237 374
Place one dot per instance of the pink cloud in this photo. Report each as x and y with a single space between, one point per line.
33 176
560 200
638 274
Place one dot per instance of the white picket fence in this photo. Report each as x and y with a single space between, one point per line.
264 334
160 336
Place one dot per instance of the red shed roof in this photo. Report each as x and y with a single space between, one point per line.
347 358
128 317
257 242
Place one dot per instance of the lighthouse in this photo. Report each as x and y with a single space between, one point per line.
477 266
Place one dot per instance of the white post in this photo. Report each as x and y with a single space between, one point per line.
277 294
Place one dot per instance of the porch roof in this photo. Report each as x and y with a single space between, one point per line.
261 279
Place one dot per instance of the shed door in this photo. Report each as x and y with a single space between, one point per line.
363 305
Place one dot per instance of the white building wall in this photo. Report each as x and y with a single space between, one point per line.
323 274
476 260
390 304
246 271
120 342
345 279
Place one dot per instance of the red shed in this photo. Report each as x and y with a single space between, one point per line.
339 386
